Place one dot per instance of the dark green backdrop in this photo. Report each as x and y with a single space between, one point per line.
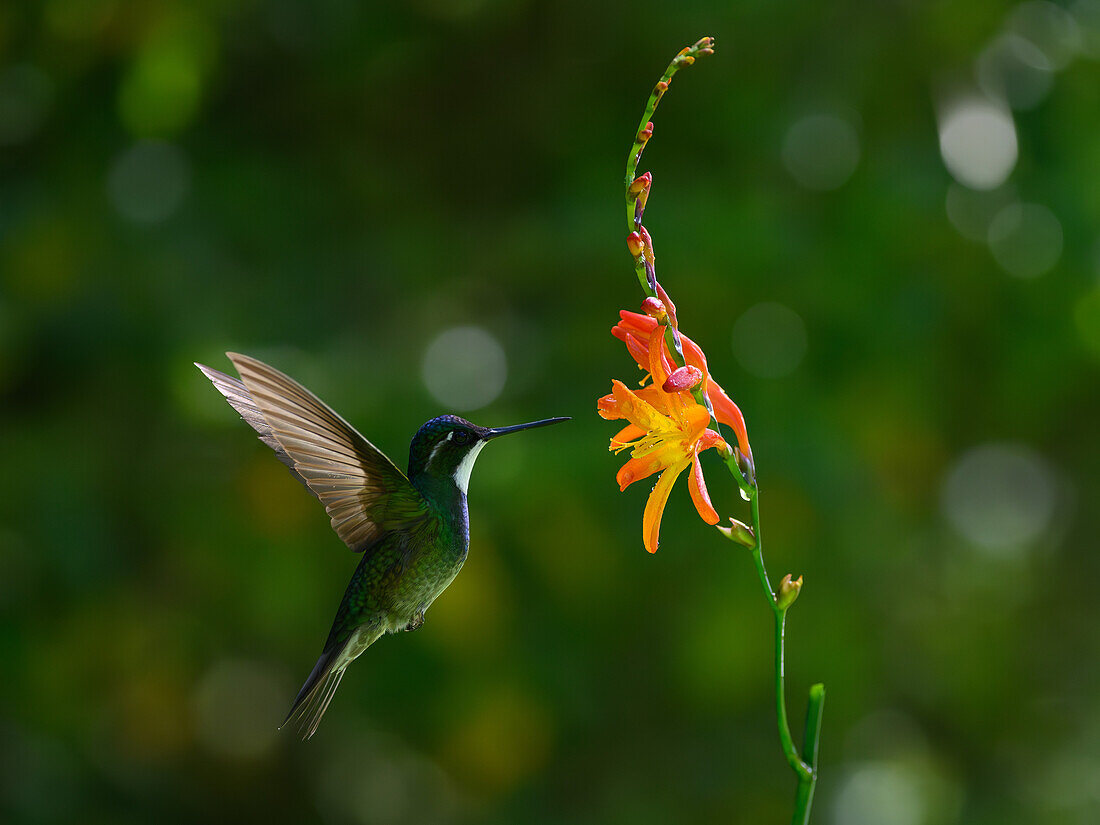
331 185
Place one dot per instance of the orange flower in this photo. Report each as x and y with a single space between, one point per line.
636 331
666 432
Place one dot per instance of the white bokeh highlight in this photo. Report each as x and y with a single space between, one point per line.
465 368
978 142
821 151
1000 497
880 793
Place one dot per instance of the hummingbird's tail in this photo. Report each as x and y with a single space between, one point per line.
312 700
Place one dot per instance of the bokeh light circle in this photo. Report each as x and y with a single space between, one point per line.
971 211
880 793
1049 27
1000 497
465 368
237 705
769 340
1025 239
148 181
1014 69
978 142
821 151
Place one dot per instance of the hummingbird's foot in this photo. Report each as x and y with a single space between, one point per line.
417 621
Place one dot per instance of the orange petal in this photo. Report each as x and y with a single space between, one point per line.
699 495
656 362
630 432
638 468
608 408
655 398
728 413
635 320
693 354
635 410
655 506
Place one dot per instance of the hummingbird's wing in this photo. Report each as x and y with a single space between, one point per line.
364 493
236 393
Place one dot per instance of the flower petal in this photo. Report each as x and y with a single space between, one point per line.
699 495
635 410
638 321
631 432
637 468
728 413
656 362
655 506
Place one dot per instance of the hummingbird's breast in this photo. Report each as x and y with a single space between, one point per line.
433 560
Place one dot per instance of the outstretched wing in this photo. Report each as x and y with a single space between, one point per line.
364 493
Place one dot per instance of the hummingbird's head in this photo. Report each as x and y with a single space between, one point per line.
447 446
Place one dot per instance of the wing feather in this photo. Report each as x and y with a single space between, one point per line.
363 492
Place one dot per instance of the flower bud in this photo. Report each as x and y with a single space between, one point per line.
788 592
654 308
739 532
640 185
646 133
683 379
634 244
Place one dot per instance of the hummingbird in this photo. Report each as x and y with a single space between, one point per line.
412 530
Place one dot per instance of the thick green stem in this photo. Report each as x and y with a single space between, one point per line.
804 797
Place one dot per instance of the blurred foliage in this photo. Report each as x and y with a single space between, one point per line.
330 185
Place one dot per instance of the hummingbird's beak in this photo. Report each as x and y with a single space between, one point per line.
515 428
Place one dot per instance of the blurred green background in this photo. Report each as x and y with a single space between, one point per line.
880 220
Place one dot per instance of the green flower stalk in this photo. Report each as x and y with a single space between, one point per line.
678 416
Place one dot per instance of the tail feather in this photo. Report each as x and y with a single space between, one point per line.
312 700
314 697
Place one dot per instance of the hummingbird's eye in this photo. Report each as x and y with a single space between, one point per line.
461 437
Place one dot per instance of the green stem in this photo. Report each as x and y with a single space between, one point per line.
801 769
804 797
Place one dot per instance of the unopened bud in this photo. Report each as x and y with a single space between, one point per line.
688 59
640 185
705 45
646 133
647 246
738 532
683 379
634 244
654 308
788 591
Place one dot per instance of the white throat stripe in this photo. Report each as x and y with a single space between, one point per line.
462 472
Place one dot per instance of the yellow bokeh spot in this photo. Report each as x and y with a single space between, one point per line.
473 615
505 738
277 502
42 261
